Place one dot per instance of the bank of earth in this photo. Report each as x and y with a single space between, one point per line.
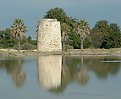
21 53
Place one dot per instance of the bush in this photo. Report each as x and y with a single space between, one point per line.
68 47
27 46
87 43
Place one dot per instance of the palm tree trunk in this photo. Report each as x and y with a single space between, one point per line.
63 46
82 44
19 45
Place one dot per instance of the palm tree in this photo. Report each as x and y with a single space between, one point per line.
18 30
83 29
64 33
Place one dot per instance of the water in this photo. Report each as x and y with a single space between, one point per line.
57 77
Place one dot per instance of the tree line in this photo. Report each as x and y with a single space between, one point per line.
78 34
75 33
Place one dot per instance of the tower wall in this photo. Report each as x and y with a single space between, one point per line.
49 35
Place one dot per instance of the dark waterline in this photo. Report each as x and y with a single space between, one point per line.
67 77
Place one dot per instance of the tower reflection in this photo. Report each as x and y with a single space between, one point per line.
49 69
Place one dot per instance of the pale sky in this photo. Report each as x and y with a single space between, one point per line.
33 10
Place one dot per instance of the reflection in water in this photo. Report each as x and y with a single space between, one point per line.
74 69
95 64
104 70
82 75
55 73
15 69
50 68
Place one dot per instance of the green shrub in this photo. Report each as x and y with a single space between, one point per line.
68 47
27 46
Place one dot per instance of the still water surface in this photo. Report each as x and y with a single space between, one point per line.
57 77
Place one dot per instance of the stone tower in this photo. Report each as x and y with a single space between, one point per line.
49 35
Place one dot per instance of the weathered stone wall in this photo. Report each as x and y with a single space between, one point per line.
49 35
49 70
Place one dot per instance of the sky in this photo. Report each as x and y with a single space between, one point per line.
31 11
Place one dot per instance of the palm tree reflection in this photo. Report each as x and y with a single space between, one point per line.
14 68
82 75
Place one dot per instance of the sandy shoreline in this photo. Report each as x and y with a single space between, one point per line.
15 53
